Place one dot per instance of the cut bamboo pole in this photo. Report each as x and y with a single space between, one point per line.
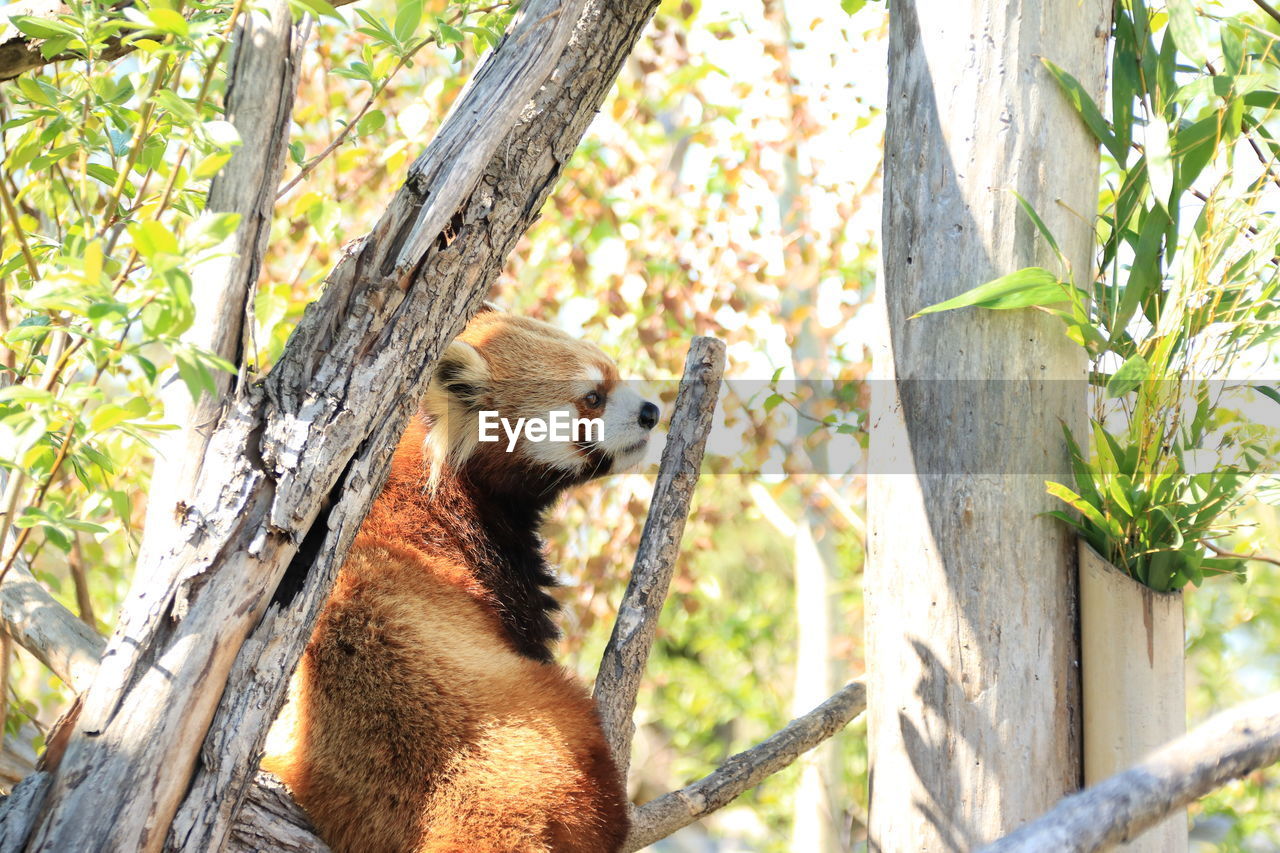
1132 667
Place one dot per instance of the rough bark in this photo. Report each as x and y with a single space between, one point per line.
357 361
972 652
271 820
661 817
623 663
262 81
1226 747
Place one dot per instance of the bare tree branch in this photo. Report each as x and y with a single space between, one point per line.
1230 745
40 624
623 663
19 52
659 818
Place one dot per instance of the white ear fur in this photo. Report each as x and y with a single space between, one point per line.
458 385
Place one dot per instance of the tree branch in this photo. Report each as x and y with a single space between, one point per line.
623 663
19 52
40 624
271 820
1230 745
659 818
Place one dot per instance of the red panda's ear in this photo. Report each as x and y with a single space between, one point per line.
462 374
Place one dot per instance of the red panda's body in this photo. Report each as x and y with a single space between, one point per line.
426 715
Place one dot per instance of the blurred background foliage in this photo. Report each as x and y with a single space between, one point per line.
729 186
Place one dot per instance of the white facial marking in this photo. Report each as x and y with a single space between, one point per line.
624 437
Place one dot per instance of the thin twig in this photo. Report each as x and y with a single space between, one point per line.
310 166
80 578
1268 8
1222 552
659 818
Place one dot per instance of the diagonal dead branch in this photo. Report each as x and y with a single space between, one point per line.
659 818
623 663
1227 746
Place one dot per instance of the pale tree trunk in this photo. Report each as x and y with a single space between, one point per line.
813 828
972 648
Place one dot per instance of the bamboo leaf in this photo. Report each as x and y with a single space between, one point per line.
1129 376
1186 32
1032 286
1088 110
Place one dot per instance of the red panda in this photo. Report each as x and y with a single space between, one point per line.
426 714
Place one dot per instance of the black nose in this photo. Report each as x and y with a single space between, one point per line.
648 415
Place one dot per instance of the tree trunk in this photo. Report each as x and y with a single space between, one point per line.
971 598
262 81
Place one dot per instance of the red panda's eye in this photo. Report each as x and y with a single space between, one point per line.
592 399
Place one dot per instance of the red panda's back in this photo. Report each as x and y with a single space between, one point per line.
413 727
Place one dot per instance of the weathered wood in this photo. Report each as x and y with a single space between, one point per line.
661 817
1133 668
21 808
271 820
517 179
973 722
40 624
623 663
1226 747
359 358
262 81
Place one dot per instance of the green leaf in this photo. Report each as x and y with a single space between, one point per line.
42 28
771 402
1069 519
152 239
1088 110
106 416
370 122
319 8
1130 375
1028 287
1268 392
168 21
209 165
407 19
850 7
450 35
1077 503
1039 223
1186 31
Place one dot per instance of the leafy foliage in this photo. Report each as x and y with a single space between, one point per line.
702 192
1186 289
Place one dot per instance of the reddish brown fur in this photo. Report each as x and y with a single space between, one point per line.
426 714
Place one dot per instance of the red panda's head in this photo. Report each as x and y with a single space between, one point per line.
521 406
